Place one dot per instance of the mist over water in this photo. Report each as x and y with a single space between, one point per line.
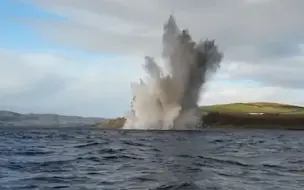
169 101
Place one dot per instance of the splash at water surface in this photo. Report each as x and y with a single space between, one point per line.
169 101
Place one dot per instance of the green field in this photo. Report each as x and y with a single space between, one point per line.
264 107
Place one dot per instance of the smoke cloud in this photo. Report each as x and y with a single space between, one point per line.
169 101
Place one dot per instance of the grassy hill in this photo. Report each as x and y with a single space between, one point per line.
264 107
285 117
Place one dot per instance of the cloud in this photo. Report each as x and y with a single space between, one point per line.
264 37
285 73
268 29
221 93
53 83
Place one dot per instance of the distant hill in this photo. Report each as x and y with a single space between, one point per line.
8 118
265 107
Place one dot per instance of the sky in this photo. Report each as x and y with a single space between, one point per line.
78 57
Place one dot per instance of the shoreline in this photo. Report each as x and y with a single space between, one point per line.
255 121
224 120
271 128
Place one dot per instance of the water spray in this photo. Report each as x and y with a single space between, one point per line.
169 101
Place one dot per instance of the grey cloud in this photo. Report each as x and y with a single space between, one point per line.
259 35
50 83
271 52
38 93
286 73
94 40
29 82
261 26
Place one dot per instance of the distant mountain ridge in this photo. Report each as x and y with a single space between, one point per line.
9 118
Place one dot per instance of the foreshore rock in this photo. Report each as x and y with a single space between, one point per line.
235 120
112 123
255 120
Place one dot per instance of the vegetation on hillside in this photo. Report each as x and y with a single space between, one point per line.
276 116
112 123
264 107
243 120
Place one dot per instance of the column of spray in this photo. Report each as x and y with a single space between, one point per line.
172 99
189 63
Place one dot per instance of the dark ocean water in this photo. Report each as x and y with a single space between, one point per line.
87 158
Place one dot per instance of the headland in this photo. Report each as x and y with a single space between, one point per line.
257 115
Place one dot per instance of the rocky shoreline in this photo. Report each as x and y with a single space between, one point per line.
236 120
255 121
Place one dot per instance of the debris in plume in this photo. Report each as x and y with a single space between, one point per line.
170 101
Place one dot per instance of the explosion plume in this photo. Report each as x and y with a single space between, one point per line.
169 101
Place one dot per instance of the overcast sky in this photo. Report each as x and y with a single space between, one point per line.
78 57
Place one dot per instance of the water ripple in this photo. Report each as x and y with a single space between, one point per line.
86 158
